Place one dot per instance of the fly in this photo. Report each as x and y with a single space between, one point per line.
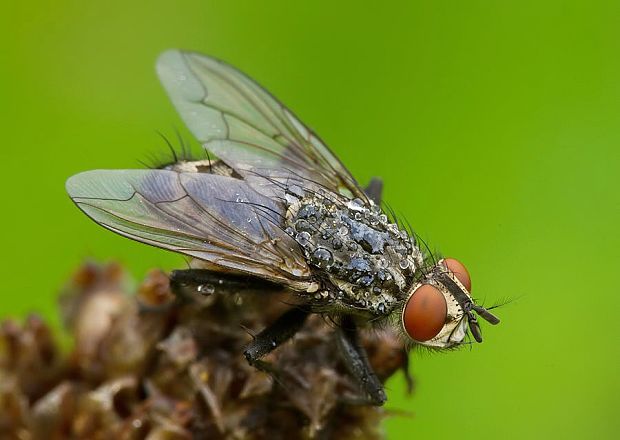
277 208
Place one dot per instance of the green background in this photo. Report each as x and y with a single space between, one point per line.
494 124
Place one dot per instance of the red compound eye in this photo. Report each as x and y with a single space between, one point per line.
457 268
425 313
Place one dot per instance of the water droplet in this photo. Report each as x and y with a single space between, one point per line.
306 211
383 218
303 238
356 204
337 243
206 289
343 230
322 258
365 280
403 264
303 225
358 216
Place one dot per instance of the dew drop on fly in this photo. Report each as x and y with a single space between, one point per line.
206 289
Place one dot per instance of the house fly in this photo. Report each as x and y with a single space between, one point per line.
277 206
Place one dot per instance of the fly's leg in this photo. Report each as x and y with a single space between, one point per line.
207 282
407 373
187 284
356 361
273 336
374 190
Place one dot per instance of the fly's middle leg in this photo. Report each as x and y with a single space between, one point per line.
273 336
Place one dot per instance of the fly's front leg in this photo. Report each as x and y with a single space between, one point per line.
374 190
356 361
273 336
406 372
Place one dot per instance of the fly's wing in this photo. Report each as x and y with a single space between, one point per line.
245 126
214 218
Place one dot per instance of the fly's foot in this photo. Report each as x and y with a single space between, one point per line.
360 400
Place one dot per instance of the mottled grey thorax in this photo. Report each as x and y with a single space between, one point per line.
364 260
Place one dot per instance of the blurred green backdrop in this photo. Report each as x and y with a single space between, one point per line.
505 113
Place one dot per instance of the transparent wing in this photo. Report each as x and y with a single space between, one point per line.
245 126
214 218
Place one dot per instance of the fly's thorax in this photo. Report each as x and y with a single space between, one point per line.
367 261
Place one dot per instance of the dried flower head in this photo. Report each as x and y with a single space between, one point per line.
152 366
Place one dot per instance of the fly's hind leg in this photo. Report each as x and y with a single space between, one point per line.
374 190
208 282
185 283
356 361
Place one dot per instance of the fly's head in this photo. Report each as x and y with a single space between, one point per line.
439 308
